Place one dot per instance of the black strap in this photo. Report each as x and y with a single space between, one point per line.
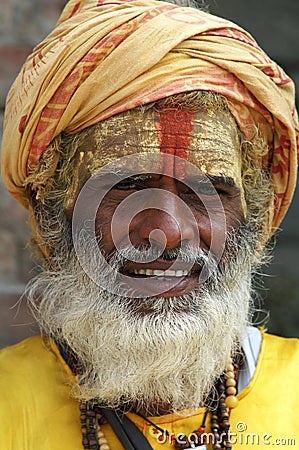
127 432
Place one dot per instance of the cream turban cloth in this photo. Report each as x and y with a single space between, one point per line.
105 57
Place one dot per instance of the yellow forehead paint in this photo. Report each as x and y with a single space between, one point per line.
208 139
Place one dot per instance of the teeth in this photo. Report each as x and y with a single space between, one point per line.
161 273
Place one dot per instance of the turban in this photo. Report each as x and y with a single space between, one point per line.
105 57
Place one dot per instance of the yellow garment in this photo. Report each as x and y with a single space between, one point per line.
37 412
105 57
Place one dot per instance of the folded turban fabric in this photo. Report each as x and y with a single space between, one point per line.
105 57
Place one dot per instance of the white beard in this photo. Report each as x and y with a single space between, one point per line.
171 355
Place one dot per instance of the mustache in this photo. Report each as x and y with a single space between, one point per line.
147 253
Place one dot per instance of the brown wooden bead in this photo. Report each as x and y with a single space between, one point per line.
231 402
230 382
231 390
230 368
229 374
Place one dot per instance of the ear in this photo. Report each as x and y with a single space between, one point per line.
31 194
43 250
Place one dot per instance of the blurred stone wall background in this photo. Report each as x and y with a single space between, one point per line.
275 25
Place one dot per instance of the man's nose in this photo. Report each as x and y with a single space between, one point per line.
168 225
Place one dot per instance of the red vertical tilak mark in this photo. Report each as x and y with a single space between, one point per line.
174 133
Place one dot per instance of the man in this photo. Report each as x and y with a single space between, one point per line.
155 147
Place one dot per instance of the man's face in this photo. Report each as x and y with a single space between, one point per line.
213 196
162 349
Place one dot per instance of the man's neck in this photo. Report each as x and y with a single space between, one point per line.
152 410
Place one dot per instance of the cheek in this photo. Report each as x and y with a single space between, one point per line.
214 222
113 222
211 229
103 226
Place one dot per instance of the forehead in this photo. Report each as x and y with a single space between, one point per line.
207 138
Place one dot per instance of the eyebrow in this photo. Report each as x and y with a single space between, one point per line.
112 177
117 172
221 179
120 174
218 181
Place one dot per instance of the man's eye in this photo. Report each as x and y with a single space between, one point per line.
206 189
126 185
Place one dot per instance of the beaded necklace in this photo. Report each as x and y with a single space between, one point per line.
219 408
92 417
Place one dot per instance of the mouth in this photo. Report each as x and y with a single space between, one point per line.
160 273
161 280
